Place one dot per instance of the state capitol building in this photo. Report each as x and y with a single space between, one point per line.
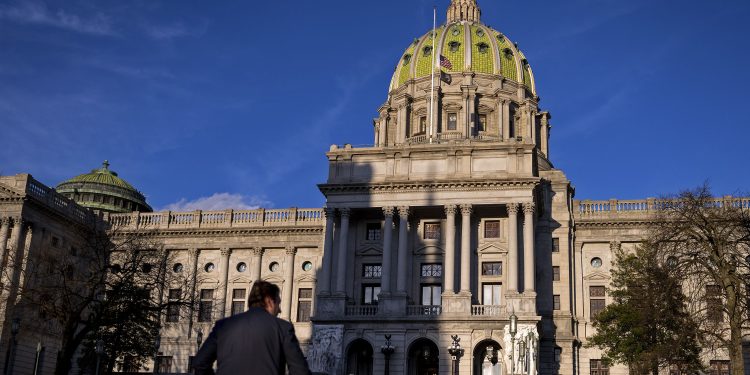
453 222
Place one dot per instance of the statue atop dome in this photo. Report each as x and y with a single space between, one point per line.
463 10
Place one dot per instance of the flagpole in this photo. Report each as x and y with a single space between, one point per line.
432 71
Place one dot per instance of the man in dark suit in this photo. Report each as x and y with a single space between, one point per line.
255 342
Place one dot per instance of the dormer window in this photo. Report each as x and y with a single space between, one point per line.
456 31
480 33
500 38
454 46
508 52
407 58
426 51
483 47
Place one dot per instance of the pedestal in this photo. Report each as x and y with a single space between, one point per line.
456 304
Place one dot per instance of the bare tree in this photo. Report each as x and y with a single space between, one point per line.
707 241
111 288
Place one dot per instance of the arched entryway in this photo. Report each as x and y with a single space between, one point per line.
423 357
488 358
359 358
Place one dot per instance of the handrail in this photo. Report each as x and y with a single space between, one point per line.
219 219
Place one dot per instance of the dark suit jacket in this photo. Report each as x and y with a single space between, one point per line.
252 343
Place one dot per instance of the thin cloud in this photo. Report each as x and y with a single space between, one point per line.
219 201
37 13
173 31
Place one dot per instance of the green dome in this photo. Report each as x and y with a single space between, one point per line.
466 46
103 190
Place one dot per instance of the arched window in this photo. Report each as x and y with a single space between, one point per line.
488 359
359 358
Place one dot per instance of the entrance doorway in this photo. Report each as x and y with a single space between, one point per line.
487 358
423 357
359 358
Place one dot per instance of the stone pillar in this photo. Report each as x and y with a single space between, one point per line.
465 248
224 272
385 277
512 247
257 266
450 249
286 298
506 120
193 281
25 256
324 286
343 249
4 232
403 254
528 247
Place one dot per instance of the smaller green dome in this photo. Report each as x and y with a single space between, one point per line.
102 189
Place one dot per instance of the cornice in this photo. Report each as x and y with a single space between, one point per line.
376 188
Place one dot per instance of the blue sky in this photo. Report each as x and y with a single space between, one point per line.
208 104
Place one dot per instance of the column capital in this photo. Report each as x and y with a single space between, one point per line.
512 208
257 251
225 251
17 220
345 212
4 221
450 209
329 212
403 212
388 211
291 250
528 208
466 209
615 245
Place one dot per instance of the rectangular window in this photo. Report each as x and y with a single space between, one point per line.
173 306
719 368
556 302
596 299
492 268
492 229
481 122
431 294
164 364
558 354
373 232
714 308
555 273
491 294
555 245
598 367
452 121
432 231
422 125
238 301
206 305
432 270
370 294
304 304
372 270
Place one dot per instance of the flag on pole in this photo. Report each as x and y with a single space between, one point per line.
445 63
445 77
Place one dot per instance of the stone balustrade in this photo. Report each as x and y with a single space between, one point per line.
218 219
423 310
361 310
25 184
645 207
487 310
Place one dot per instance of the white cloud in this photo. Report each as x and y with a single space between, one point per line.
219 201
33 12
175 30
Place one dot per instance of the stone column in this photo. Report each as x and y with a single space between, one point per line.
257 266
385 277
193 281
528 247
343 247
224 271
286 299
25 256
512 247
403 254
4 232
506 120
465 248
450 249
324 286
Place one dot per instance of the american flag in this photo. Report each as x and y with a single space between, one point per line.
445 63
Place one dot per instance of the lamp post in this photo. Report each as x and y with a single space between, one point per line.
387 350
157 344
15 326
456 352
99 351
513 330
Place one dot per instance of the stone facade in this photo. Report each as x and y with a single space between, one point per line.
452 222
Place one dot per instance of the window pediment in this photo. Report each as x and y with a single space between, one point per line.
598 275
429 250
491 248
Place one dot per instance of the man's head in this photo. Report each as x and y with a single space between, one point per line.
265 295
